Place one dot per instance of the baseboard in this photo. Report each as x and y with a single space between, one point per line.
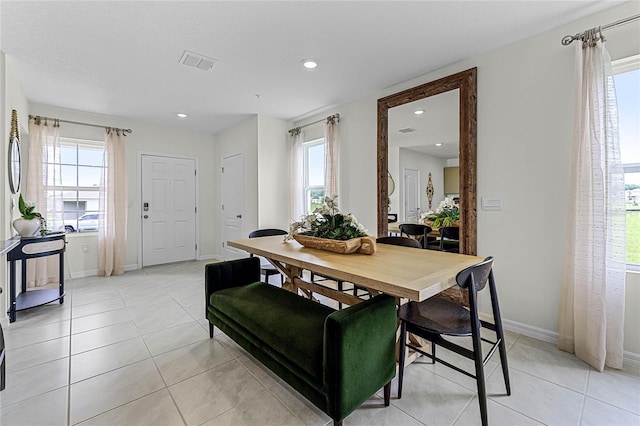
214 256
94 272
629 358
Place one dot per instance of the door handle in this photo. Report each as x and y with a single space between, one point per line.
146 216
239 216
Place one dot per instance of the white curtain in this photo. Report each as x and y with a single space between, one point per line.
592 305
112 225
43 189
297 175
332 156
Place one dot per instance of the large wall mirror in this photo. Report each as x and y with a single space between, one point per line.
448 103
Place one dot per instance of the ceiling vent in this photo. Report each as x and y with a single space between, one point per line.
195 60
407 130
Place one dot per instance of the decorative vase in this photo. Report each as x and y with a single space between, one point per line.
364 245
26 227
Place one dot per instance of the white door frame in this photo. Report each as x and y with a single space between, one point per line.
138 209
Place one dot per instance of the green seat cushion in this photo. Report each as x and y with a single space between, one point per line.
283 321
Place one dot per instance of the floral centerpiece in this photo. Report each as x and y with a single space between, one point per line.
31 220
447 214
326 228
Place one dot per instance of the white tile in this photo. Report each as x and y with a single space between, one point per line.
98 307
262 408
188 361
175 337
497 415
107 358
110 390
615 387
536 398
157 409
16 337
104 319
597 413
308 413
46 409
161 319
553 365
207 395
104 336
34 381
373 412
259 371
430 398
38 353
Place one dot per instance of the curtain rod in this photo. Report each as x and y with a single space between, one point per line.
567 40
335 117
35 117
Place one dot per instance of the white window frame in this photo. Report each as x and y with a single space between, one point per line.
306 190
621 66
64 141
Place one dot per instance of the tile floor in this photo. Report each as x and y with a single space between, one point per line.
134 350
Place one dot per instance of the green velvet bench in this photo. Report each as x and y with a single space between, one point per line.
335 359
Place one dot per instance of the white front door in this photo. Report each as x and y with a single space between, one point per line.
411 195
232 193
168 209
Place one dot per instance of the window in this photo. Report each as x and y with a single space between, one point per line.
627 83
313 175
80 173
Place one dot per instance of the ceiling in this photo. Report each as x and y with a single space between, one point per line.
439 124
122 58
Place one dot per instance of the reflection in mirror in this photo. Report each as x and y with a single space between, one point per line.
423 138
464 85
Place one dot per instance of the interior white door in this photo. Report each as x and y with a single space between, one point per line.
411 195
168 209
232 193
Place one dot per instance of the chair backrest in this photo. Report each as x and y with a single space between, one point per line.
478 274
399 241
267 232
450 232
413 229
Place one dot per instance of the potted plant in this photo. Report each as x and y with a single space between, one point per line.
328 229
447 214
31 220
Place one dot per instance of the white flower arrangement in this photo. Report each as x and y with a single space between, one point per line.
328 222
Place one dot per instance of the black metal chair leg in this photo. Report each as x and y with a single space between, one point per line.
401 356
210 331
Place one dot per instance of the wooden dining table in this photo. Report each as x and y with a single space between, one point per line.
402 272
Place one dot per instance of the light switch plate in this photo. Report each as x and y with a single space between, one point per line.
491 203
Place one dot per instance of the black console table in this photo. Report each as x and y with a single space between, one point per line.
30 248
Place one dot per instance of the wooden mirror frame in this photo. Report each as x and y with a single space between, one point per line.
466 81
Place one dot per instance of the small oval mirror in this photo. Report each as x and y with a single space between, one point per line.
14 155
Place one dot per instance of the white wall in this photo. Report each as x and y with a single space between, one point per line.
146 138
242 138
273 173
11 97
525 112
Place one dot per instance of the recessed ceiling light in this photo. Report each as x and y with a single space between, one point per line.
181 115
419 112
438 144
309 63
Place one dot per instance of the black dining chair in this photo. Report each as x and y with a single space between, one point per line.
266 268
437 317
417 231
450 239
399 241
